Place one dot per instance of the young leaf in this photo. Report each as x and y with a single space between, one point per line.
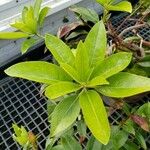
71 71
103 2
99 80
91 103
24 11
82 61
121 6
96 43
125 84
59 49
64 114
60 89
70 143
37 7
38 71
42 15
13 35
22 27
27 44
112 65
86 14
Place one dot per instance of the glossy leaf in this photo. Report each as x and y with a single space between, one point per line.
60 89
86 14
99 80
13 35
42 15
95 43
37 7
38 71
64 114
121 6
91 103
70 143
82 62
125 84
113 64
27 44
59 49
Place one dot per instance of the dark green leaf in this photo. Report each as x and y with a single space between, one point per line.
70 143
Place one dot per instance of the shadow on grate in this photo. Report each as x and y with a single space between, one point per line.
21 103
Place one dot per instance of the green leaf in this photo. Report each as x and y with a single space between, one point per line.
129 127
59 49
38 71
91 103
27 44
129 145
113 64
125 84
64 114
70 143
60 89
13 35
24 11
37 7
93 144
71 71
121 6
22 27
42 15
96 43
82 62
103 2
141 140
81 126
99 80
86 14
58 147
144 64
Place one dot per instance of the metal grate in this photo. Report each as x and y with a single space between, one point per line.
21 103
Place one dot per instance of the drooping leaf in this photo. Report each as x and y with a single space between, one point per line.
13 35
65 113
27 44
42 15
59 49
142 122
91 103
96 43
86 14
124 84
65 30
71 71
38 71
60 89
37 7
70 143
112 65
121 6
82 62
